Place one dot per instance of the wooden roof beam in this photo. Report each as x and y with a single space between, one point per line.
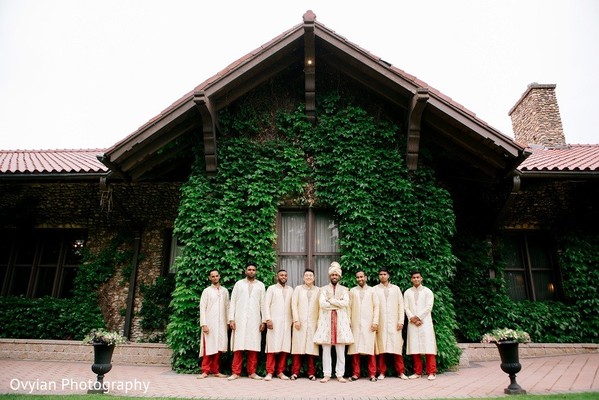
204 105
151 146
450 145
472 145
222 98
310 65
390 91
164 159
414 117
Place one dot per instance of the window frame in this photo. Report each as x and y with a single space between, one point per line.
310 252
38 240
523 241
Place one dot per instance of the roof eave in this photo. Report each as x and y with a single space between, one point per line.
48 176
559 174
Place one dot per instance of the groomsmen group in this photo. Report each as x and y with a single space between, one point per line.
369 320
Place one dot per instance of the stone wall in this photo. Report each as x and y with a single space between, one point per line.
477 352
148 208
160 354
69 350
536 119
559 205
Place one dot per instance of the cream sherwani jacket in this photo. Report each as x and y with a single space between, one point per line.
277 309
364 313
246 309
392 312
330 300
214 305
304 308
421 339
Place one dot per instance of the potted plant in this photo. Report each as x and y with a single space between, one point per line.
104 342
507 341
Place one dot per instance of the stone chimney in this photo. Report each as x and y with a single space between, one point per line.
536 119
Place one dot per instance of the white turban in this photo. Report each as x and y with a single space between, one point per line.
335 267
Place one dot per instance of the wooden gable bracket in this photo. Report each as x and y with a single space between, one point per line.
419 100
310 65
208 130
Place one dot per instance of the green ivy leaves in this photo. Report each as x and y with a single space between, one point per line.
355 165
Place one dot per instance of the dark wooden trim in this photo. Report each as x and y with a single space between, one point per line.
132 285
469 122
466 145
114 168
208 130
392 92
254 67
120 150
415 115
310 65
149 148
227 95
361 59
149 163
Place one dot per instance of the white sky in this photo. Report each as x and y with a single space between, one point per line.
86 73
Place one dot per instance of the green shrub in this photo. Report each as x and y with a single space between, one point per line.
46 318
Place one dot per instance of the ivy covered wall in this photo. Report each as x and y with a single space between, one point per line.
485 304
99 298
351 163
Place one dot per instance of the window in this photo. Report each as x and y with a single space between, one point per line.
307 239
40 263
530 270
176 249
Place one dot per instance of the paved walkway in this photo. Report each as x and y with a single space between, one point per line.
543 375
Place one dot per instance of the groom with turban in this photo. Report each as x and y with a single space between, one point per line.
333 324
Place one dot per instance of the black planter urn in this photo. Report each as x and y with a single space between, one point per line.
101 366
510 364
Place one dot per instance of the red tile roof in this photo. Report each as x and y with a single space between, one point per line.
51 161
575 157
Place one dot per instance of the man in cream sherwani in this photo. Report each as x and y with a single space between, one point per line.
419 302
245 320
389 339
214 304
304 309
364 323
333 324
277 313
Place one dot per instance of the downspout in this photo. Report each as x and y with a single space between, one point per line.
132 281
510 199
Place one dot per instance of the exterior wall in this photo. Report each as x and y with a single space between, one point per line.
70 350
477 352
536 118
554 204
150 208
160 354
